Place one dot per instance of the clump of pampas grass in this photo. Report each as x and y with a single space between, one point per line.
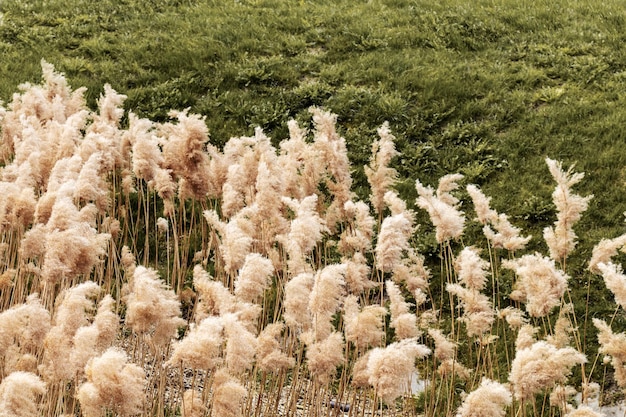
505 235
112 384
540 285
228 395
390 368
153 310
540 367
18 394
442 207
490 399
561 238
379 174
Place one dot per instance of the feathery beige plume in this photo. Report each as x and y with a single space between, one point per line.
561 238
328 289
450 367
540 367
334 156
478 314
153 310
324 356
213 297
471 269
235 241
444 348
379 175
604 251
147 157
615 281
202 346
112 384
233 193
253 278
490 399
25 325
365 327
357 236
395 232
269 185
184 154
74 308
90 186
357 273
326 296
193 406
448 183
18 395
513 316
296 301
447 219
360 375
412 271
561 396
269 356
614 346
484 213
540 284
162 225
305 230
240 345
563 329
506 235
129 263
392 241
228 395
525 336
391 368
402 320
93 340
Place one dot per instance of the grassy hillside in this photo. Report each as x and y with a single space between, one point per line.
485 88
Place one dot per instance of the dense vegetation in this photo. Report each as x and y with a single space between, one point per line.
487 89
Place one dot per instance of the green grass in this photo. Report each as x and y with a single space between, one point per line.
487 88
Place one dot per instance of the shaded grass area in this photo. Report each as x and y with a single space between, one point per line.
486 88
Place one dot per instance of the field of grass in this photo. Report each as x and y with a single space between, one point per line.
488 89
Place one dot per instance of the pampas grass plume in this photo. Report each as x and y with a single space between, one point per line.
379 175
323 357
18 393
471 269
112 383
540 367
615 281
391 367
193 406
540 285
448 221
254 277
296 301
561 238
227 395
402 320
490 399
269 356
202 347
614 346
364 328
153 310
241 345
